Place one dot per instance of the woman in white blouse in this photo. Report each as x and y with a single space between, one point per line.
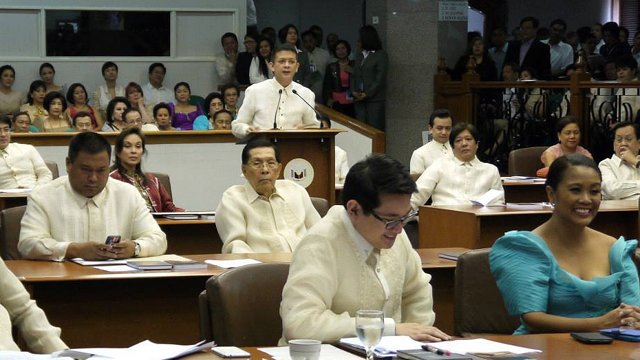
110 89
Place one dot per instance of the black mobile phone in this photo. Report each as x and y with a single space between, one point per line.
112 239
592 338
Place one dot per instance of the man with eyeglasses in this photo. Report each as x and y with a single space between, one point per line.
263 215
620 173
133 118
279 102
358 257
461 178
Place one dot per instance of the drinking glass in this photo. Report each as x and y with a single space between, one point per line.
369 326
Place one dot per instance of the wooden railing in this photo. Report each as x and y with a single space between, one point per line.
377 137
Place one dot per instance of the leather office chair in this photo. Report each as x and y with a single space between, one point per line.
10 232
53 167
241 307
526 161
321 205
164 180
478 304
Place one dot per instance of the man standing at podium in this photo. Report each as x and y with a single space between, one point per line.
278 103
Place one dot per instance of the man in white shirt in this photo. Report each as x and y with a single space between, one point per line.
226 63
73 215
359 257
278 102
561 52
440 123
264 214
457 180
21 165
154 91
620 173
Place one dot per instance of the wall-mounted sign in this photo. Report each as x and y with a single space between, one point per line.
453 10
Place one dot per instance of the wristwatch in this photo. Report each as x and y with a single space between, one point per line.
136 251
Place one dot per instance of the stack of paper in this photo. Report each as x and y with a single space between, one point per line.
479 346
228 264
327 352
145 350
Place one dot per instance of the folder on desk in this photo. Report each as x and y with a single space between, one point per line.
186 215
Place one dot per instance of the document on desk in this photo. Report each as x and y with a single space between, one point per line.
480 346
145 350
84 262
15 191
228 264
388 345
20 355
487 197
327 352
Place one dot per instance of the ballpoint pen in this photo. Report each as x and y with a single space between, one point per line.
436 350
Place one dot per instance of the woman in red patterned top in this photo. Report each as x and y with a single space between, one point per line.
127 167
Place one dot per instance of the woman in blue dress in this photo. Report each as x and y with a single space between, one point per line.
564 276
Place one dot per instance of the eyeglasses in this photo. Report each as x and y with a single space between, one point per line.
390 224
257 164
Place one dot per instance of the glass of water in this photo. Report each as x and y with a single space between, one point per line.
369 326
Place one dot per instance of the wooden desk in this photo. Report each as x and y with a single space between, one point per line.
191 236
161 306
8 200
479 227
524 192
553 346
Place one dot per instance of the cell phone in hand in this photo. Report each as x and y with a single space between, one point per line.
112 239
592 338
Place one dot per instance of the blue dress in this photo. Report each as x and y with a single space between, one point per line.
531 280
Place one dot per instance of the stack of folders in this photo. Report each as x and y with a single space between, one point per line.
451 255
166 265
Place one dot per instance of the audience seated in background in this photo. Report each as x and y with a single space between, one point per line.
261 100
246 59
620 173
77 98
226 63
337 80
82 122
47 73
230 92
35 104
484 65
564 276
264 214
21 165
183 113
537 55
154 91
72 215
22 123
162 116
260 70
57 119
136 98
110 89
568 143
498 51
613 48
369 79
440 123
129 148
461 178
10 100
561 53
222 120
19 312
359 257
213 103
133 118
318 60
115 108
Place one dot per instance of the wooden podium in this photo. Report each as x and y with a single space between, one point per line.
317 146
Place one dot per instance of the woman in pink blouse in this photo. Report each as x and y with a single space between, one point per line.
568 143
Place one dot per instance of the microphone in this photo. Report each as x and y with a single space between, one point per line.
318 116
275 116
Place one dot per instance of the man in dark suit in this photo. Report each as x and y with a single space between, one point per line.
530 52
